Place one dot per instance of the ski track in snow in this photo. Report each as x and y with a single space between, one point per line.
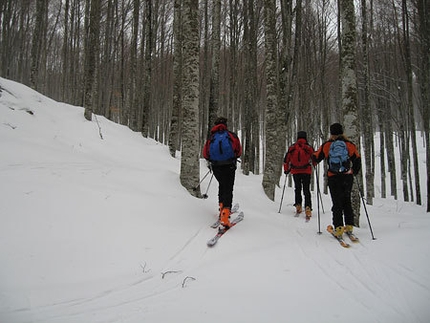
124 298
365 283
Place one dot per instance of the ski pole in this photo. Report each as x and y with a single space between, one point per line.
319 191
205 196
283 191
365 209
195 188
318 200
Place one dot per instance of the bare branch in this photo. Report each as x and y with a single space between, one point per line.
185 280
143 268
170 272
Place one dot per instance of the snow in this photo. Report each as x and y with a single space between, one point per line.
100 230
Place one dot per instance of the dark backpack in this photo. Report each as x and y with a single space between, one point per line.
300 156
338 157
221 147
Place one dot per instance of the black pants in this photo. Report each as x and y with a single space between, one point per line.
340 191
302 181
225 175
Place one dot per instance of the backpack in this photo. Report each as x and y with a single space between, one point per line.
300 156
338 157
221 147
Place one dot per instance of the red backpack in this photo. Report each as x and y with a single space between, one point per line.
300 155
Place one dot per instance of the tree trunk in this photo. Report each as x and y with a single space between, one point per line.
271 171
424 79
250 123
190 169
177 80
367 115
214 110
349 87
133 107
65 79
37 43
147 63
91 50
382 159
409 98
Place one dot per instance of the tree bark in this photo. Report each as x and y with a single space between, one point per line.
190 169
91 50
423 8
38 42
177 81
349 87
367 115
133 107
147 63
271 171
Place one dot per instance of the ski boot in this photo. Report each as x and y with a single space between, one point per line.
225 218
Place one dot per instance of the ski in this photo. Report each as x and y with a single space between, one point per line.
234 209
307 219
352 237
221 232
342 242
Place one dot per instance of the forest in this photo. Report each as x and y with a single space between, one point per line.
167 69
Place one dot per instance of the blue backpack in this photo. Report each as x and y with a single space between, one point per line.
338 157
221 148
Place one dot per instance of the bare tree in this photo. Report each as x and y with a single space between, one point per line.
190 152
215 59
349 85
423 8
38 43
271 163
367 115
133 79
107 66
91 51
250 119
177 82
147 63
409 98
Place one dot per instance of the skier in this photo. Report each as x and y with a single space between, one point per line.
340 153
221 150
298 161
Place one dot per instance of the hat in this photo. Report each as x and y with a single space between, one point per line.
301 134
336 129
221 120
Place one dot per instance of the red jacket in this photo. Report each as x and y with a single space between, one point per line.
308 152
237 148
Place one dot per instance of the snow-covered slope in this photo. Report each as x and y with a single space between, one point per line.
100 230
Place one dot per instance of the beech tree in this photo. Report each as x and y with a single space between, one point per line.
349 86
38 45
92 22
190 152
367 113
174 137
271 164
423 39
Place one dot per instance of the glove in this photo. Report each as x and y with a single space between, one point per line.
209 164
356 167
286 172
